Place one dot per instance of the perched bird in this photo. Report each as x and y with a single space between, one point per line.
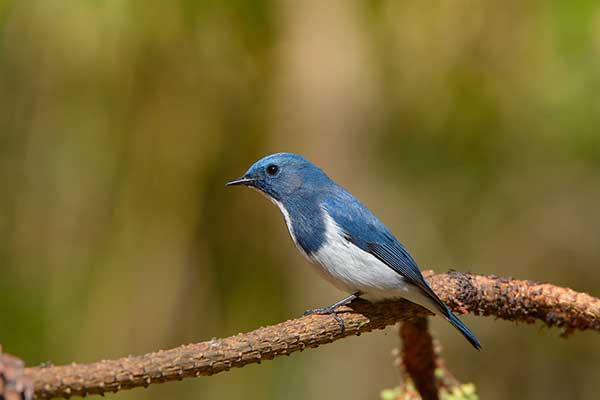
348 245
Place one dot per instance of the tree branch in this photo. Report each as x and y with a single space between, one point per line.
426 376
518 300
419 358
13 384
482 295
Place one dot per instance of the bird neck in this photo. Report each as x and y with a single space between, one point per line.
305 219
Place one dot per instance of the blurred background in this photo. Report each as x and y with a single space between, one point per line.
471 128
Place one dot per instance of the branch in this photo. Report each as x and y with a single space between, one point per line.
13 384
426 376
482 295
419 358
518 300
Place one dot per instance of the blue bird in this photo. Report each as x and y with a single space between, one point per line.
345 242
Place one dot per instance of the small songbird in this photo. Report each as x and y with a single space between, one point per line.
346 243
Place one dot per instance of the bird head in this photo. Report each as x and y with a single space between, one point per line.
282 175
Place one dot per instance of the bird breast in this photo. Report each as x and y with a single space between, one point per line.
352 269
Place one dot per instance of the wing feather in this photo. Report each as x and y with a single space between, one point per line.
395 256
366 231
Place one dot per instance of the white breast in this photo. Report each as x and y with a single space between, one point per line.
352 270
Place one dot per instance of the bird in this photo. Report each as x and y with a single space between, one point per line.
341 238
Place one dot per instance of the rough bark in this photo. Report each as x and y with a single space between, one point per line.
505 298
518 300
14 385
419 358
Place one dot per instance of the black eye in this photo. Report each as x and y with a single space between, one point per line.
272 169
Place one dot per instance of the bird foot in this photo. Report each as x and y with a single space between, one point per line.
328 311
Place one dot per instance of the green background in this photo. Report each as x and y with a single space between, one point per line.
471 128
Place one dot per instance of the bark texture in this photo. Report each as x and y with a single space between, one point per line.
505 298
419 358
14 385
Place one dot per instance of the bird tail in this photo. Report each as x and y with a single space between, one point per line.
427 298
462 328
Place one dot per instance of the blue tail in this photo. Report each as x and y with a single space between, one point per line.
462 328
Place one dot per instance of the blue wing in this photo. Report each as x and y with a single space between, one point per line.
365 230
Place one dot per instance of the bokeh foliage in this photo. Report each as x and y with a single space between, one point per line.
471 128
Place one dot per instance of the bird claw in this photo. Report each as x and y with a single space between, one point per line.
319 311
328 311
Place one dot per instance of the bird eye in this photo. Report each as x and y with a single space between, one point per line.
272 169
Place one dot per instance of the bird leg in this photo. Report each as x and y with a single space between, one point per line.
330 310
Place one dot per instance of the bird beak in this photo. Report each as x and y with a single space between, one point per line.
240 181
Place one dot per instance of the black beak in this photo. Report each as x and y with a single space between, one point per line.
240 181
